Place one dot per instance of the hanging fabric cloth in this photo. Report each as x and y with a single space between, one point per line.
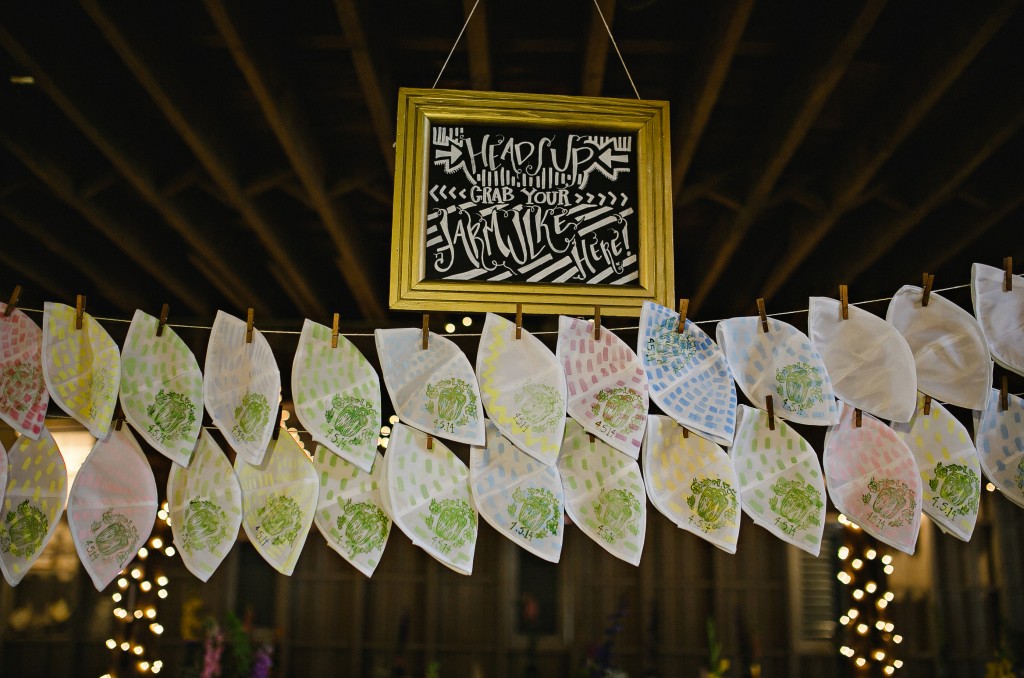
23 394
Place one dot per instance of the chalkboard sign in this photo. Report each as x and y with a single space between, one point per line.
516 204
559 203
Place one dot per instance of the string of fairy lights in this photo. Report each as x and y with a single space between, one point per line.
869 637
141 588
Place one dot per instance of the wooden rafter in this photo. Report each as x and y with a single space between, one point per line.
967 236
975 149
595 55
129 239
478 46
377 90
702 93
20 270
85 116
280 106
113 286
798 109
917 94
190 120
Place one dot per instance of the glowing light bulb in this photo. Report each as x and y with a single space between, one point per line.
161 581
862 629
161 514
144 666
882 603
162 593
898 663
842 519
870 555
858 594
111 643
857 563
889 670
136 573
871 587
880 625
116 597
143 553
151 613
449 327
125 646
990 487
122 582
897 639
393 419
844 649
889 596
467 321
138 614
157 543
879 655
843 552
156 628
137 649
844 577
385 430
861 661
889 627
886 559
888 569
169 551
145 586
844 620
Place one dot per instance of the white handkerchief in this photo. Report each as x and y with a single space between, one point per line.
36 487
23 395
949 347
868 361
1000 314
520 497
278 502
999 436
691 480
607 385
689 378
112 506
781 481
82 368
604 493
780 363
337 395
349 511
427 492
242 387
206 508
872 477
433 389
161 389
950 472
523 388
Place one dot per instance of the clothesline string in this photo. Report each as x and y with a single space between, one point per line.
478 334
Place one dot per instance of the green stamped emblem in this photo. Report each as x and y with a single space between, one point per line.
1020 475
619 410
451 521
251 416
535 512
280 520
351 421
796 505
173 415
667 344
618 512
19 384
540 407
892 502
799 385
205 525
363 527
452 402
957 489
114 537
23 530
713 502
100 388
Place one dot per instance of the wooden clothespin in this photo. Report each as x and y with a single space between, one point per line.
686 432
519 321
844 301
277 424
591 436
334 331
425 341
1004 394
684 306
927 408
597 323
1007 274
430 442
926 283
769 405
12 303
165 310
79 310
118 417
857 418
764 317
248 326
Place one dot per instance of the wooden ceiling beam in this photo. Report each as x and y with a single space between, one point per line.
595 55
701 93
984 139
797 111
281 108
478 46
203 137
108 282
918 92
130 240
378 93
22 270
965 237
90 121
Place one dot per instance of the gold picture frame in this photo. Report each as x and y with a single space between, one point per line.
500 181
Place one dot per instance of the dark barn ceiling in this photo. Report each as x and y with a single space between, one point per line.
225 154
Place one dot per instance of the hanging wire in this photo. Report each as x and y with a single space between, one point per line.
611 37
445 64
478 334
